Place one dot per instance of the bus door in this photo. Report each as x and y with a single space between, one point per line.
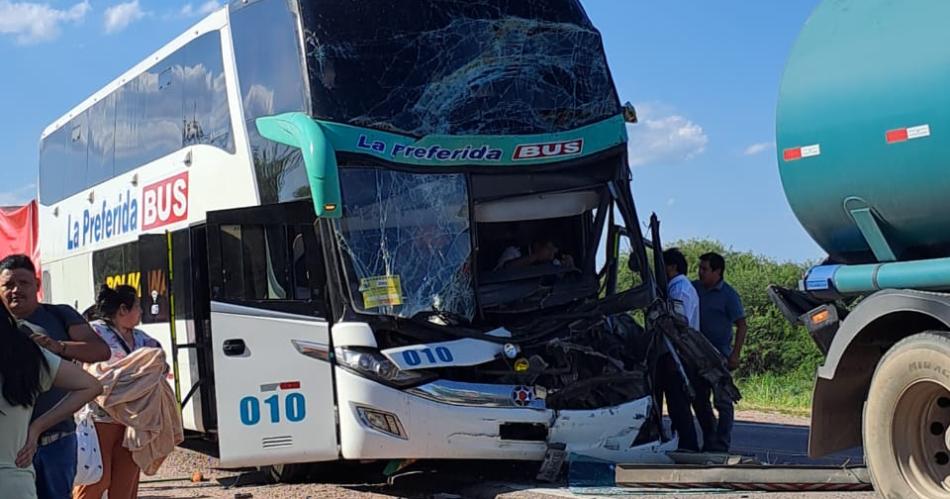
270 336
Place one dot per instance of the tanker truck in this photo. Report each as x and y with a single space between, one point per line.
863 146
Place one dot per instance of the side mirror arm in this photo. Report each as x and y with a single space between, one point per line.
299 130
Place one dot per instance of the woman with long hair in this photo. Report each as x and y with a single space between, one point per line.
26 370
119 313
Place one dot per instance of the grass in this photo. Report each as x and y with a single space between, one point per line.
787 394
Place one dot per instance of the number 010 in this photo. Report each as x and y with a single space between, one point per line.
295 409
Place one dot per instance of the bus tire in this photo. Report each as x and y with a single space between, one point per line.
289 473
906 427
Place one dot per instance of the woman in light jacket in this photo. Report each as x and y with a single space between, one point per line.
120 312
25 371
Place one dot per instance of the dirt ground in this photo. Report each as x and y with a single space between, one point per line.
436 481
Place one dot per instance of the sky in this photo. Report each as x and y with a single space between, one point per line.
704 77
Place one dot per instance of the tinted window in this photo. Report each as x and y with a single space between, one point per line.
269 64
75 166
182 280
149 115
101 147
267 263
116 266
206 115
299 273
281 175
232 262
53 154
179 101
153 261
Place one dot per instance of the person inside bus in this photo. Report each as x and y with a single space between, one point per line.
119 311
61 330
541 251
26 371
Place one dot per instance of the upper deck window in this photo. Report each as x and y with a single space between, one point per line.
179 101
448 67
270 71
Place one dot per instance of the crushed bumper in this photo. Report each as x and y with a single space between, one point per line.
435 429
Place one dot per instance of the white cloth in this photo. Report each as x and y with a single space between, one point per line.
685 300
511 253
89 459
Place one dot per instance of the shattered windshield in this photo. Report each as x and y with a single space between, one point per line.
407 242
450 67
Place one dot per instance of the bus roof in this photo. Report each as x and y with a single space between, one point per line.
214 21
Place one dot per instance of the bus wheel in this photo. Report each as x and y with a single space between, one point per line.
907 419
289 473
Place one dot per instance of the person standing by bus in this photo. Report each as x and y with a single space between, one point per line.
720 309
26 370
671 379
62 331
119 311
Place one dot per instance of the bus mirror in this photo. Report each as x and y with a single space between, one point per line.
319 158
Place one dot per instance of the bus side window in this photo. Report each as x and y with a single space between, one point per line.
270 263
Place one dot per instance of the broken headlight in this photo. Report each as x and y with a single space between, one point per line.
371 364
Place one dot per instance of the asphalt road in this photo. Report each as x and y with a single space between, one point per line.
784 444
776 442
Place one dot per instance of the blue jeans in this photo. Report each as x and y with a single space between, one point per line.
55 466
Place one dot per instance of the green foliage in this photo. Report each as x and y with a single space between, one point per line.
772 346
788 393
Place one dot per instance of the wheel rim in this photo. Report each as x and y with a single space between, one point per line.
921 432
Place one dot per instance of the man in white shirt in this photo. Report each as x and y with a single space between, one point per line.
670 377
682 293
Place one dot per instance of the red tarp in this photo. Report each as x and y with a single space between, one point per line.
20 232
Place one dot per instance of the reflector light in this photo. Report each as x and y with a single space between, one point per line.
905 134
819 317
796 153
290 385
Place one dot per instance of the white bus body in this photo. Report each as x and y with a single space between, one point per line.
269 384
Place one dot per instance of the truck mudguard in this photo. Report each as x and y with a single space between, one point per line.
841 384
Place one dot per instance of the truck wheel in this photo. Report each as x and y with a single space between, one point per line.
289 473
907 419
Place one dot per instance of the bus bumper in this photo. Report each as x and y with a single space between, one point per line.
380 422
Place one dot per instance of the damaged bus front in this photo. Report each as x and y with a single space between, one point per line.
467 163
462 132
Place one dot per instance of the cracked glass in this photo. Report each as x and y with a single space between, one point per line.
406 240
450 67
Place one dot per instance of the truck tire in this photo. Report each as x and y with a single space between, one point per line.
289 473
906 425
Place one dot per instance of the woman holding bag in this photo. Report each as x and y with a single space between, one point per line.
26 370
119 313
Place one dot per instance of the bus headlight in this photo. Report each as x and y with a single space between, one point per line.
372 364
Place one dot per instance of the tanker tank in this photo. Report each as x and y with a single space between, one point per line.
863 130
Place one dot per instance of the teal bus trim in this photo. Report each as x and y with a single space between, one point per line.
319 141
501 150
319 158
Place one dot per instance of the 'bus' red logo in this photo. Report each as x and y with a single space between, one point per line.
548 150
165 202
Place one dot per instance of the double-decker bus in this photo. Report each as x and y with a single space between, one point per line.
350 224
